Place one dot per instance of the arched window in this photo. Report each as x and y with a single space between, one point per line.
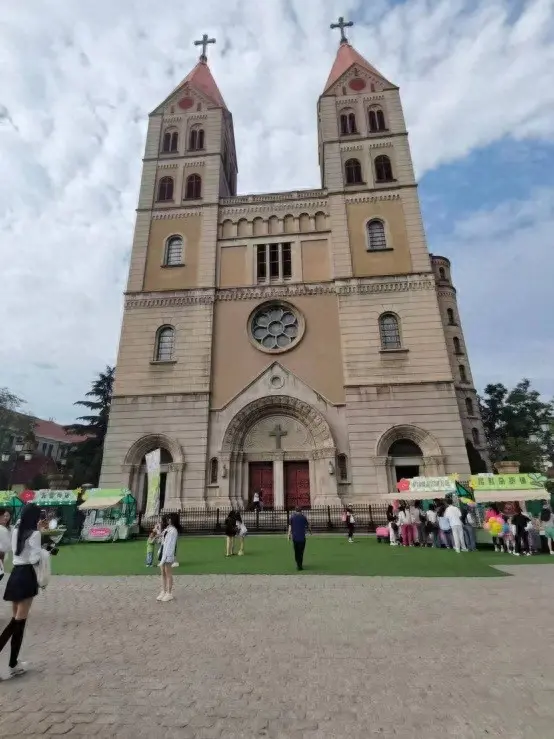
353 172
442 273
196 139
165 189
165 343
451 317
348 123
390 331
376 239
342 466
376 120
383 169
173 251
193 189
457 345
170 141
469 406
476 436
463 375
404 448
213 470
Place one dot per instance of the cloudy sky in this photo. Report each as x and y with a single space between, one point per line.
79 79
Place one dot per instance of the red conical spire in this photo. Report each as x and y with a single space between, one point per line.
201 79
347 57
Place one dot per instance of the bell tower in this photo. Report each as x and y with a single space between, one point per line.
161 394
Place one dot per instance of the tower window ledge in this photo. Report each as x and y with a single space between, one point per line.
172 266
163 362
385 182
385 248
459 353
352 185
394 351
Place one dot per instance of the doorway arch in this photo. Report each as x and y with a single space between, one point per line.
171 469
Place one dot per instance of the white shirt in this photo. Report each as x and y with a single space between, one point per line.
256 497
404 518
431 516
453 515
414 513
31 549
5 544
169 545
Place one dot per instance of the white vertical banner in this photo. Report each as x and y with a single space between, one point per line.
153 471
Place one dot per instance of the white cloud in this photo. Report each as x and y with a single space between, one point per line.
80 78
503 270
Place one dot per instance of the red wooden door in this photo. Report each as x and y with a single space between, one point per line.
261 481
297 485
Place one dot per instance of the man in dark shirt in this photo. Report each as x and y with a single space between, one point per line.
520 521
297 532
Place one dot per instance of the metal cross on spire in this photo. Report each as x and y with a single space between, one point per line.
342 25
204 44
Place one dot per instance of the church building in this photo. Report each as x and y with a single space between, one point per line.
301 344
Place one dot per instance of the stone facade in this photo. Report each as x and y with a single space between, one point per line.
299 341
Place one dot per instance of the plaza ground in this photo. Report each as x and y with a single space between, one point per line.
272 555
287 657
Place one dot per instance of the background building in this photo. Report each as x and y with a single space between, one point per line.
299 343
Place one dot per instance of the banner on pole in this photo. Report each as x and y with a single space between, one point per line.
153 471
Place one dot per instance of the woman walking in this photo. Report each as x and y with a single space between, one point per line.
22 585
242 531
169 536
348 518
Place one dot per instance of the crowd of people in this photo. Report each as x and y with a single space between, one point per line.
444 524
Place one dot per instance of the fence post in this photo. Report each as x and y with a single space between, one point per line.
370 526
258 518
217 524
329 522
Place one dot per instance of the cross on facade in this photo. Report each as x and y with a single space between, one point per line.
342 25
278 434
204 44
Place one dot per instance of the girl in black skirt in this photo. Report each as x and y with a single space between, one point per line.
22 585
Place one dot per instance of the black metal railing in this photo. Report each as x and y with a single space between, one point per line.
274 520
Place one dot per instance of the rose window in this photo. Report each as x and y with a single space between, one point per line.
275 327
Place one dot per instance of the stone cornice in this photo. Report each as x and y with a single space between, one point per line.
381 145
352 147
193 163
360 198
447 292
275 292
272 197
172 214
270 208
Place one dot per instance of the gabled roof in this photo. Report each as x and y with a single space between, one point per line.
347 57
201 79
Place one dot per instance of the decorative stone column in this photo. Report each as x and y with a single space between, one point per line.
174 486
278 481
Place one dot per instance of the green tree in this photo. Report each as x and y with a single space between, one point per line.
518 425
85 459
12 421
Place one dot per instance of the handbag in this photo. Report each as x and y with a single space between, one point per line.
43 569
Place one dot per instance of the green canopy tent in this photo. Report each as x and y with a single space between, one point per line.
111 514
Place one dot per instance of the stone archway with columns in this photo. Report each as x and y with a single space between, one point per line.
278 430
432 460
135 473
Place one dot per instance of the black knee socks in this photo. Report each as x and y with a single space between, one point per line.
17 641
6 634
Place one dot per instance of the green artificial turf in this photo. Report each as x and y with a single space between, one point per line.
272 555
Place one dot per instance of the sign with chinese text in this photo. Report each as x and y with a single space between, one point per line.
446 484
49 497
519 481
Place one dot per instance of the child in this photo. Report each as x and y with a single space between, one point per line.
241 533
508 536
170 534
151 544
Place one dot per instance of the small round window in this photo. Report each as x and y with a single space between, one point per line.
275 327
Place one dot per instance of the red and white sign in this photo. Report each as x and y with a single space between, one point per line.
99 532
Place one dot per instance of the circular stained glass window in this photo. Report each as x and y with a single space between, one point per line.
275 327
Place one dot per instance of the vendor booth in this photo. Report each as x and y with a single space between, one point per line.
426 489
111 515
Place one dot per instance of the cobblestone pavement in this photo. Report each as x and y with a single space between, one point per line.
278 657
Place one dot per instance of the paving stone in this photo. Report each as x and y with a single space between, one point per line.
317 657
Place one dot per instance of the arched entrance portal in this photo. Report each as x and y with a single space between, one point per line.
407 459
408 451
171 470
282 448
